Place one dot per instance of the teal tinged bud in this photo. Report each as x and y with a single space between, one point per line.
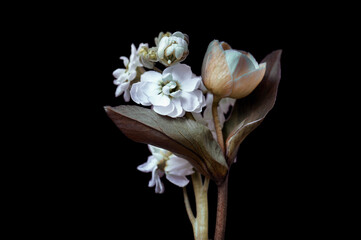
230 73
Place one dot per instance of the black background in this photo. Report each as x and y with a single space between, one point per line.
86 181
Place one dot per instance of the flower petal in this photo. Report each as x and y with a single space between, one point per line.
201 100
232 58
246 83
244 65
154 178
178 166
121 88
164 110
118 72
151 76
159 187
191 84
180 72
126 95
178 110
138 95
150 89
178 34
180 181
154 149
149 165
214 69
189 101
125 61
159 100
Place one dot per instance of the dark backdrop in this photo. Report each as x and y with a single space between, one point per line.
90 183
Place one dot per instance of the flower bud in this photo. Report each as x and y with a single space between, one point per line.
147 56
172 48
230 73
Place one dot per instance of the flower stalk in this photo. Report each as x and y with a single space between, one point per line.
221 210
200 222
217 123
223 187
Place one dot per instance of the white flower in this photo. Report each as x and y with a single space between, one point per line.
171 93
124 76
172 49
164 162
222 109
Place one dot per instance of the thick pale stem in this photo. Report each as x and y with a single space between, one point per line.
217 123
188 206
200 222
221 210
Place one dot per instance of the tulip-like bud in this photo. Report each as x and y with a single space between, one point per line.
230 73
172 48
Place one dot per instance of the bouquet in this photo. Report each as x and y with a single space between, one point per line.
193 125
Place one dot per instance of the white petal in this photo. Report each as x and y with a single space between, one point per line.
201 100
180 181
125 61
137 94
121 88
189 101
126 95
154 149
191 84
133 54
180 72
164 110
162 46
154 178
159 100
179 51
176 93
178 166
178 34
149 165
159 187
134 92
119 91
170 50
118 72
151 76
132 75
150 89
178 110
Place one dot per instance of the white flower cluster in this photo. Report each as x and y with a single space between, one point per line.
172 92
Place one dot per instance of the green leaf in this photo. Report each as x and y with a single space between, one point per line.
249 112
184 137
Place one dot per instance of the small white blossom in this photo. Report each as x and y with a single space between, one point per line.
172 49
124 76
171 93
164 162
222 109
